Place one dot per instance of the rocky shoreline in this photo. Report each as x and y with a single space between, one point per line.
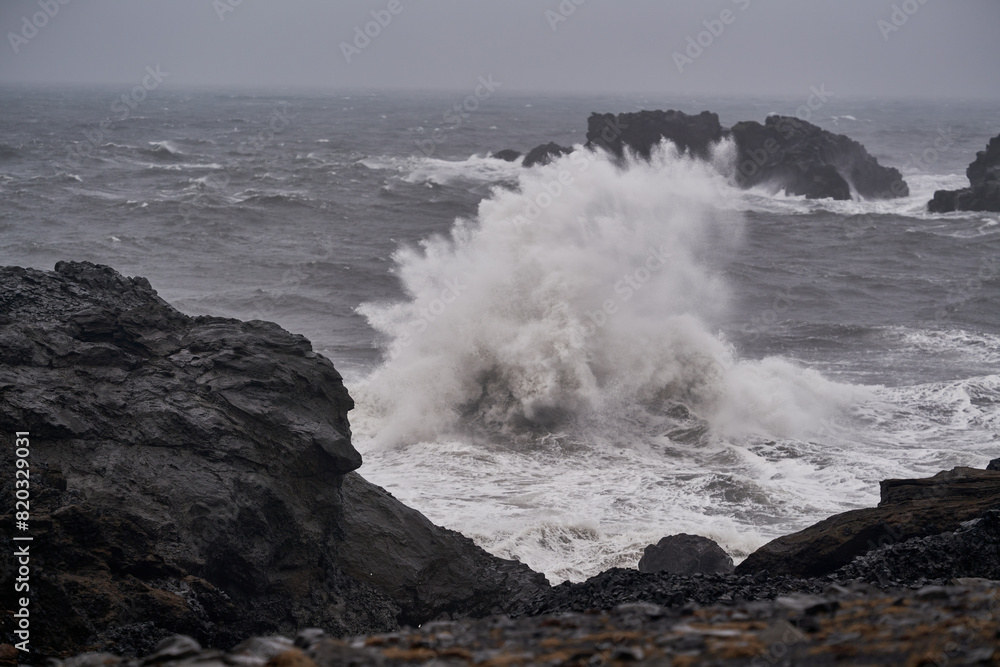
193 484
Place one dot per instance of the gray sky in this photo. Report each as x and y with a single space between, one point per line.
766 47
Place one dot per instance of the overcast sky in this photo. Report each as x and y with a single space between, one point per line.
766 47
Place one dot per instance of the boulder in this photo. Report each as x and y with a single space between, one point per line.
507 155
686 554
544 154
188 476
984 192
909 508
993 465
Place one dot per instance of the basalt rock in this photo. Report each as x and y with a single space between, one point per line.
802 159
640 132
188 476
544 154
910 508
984 192
686 554
784 153
972 551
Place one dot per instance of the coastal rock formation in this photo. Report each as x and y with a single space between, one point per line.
194 475
803 159
784 152
984 193
641 131
544 154
909 508
686 554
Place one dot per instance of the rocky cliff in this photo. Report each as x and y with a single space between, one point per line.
194 475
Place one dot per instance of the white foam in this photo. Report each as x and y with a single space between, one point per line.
433 171
522 401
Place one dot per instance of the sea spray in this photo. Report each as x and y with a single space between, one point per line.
566 337
587 288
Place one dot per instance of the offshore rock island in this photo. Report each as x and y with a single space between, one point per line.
784 153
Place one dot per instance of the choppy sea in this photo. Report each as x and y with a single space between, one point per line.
567 362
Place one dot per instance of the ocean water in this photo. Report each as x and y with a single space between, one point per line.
565 363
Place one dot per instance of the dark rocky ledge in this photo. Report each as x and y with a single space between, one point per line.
984 191
194 475
910 508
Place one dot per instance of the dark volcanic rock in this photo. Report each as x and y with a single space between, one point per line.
993 465
544 154
984 193
785 153
909 508
686 554
643 130
935 625
620 586
433 570
507 155
972 551
803 159
187 475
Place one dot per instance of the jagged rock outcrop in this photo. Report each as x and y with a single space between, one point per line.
910 508
686 554
784 152
188 475
641 131
544 154
984 192
802 159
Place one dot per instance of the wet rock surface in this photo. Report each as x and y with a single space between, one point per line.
984 191
544 154
641 131
188 476
783 153
686 554
909 509
953 625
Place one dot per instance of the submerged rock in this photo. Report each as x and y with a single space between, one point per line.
984 192
909 508
686 554
188 476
